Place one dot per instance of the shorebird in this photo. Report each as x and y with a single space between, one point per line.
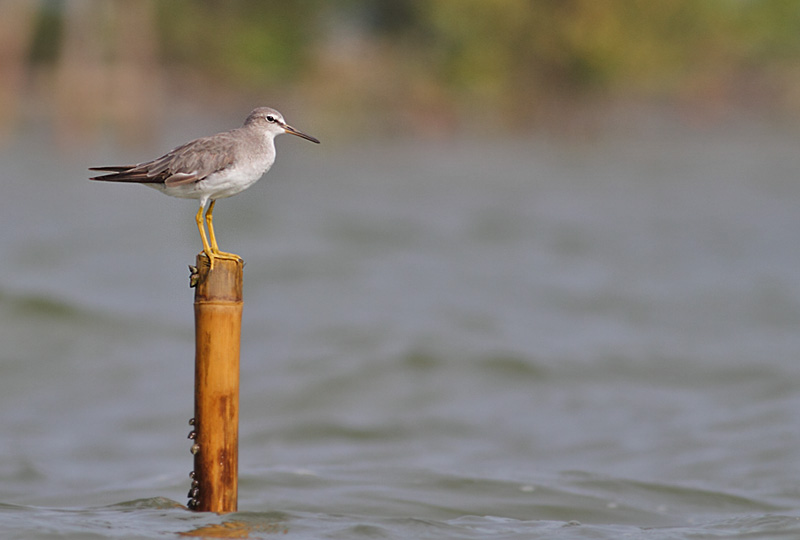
211 168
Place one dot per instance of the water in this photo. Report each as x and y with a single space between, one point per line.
512 339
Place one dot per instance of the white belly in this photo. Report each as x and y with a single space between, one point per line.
219 185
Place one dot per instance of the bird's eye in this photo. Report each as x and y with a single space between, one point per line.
270 118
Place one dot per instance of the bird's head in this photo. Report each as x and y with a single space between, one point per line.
272 121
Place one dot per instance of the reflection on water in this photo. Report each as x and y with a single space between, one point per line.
526 338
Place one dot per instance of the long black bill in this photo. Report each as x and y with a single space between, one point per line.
289 129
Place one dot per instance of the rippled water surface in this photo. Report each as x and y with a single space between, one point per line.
463 339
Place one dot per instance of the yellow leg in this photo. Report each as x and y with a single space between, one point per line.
206 247
214 247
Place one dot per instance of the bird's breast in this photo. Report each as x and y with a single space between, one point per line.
235 179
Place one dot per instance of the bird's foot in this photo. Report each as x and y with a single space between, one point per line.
214 255
228 256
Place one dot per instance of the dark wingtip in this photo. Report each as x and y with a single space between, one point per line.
112 170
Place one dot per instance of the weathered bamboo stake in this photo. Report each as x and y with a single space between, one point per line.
218 323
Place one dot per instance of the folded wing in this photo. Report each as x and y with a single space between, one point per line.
185 164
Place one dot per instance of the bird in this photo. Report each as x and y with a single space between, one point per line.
211 168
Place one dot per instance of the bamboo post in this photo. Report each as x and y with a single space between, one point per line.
218 322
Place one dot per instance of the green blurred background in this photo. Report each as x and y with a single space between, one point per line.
425 67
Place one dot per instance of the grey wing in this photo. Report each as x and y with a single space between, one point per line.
194 161
185 164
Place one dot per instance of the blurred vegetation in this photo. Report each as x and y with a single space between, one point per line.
248 43
441 62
